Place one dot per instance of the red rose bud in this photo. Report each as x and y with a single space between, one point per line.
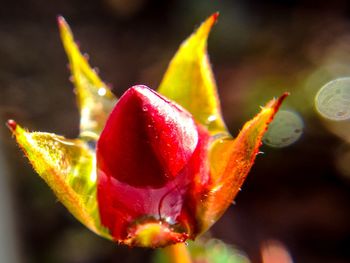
163 174
149 156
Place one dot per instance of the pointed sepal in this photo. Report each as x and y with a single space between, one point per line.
95 99
68 167
189 80
230 161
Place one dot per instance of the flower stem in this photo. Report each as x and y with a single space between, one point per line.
178 253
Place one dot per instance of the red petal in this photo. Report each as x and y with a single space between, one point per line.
147 139
150 160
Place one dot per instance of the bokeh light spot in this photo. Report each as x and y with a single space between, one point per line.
284 130
332 101
273 251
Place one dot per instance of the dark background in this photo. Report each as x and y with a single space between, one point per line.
298 195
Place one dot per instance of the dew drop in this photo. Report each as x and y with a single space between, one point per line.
101 91
211 118
96 70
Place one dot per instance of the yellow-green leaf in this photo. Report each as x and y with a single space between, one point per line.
68 167
94 98
230 161
190 82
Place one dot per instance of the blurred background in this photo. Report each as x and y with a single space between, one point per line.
297 194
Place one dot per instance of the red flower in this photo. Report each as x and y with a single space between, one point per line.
149 155
161 173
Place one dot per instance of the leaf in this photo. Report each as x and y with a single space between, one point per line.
68 167
94 98
189 80
230 161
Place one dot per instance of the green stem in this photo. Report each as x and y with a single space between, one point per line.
178 253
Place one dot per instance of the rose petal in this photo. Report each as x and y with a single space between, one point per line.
147 139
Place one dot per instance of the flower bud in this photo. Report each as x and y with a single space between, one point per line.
161 173
148 156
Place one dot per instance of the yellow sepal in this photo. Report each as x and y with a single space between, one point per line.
230 161
68 167
189 80
95 99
